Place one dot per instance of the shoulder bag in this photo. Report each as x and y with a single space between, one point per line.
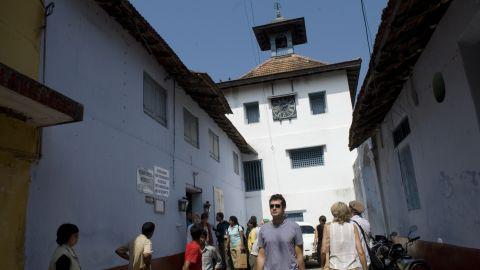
375 262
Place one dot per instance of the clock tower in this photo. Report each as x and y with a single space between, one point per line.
281 35
296 112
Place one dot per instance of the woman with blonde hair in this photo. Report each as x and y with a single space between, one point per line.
341 246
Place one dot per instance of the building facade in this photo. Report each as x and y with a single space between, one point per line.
143 109
417 129
295 112
26 106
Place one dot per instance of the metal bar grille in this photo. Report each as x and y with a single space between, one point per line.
307 157
295 216
253 175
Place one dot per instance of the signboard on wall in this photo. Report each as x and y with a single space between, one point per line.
154 182
145 181
161 182
218 200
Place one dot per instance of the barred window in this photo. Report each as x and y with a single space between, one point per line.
307 157
253 175
317 102
295 216
154 100
236 168
190 128
214 146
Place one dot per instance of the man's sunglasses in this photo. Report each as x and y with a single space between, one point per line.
275 206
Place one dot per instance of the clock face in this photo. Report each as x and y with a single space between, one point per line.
284 108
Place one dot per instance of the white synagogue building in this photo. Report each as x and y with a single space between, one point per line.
296 113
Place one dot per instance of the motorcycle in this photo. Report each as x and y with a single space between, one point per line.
395 256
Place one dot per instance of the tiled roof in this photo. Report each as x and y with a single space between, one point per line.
198 85
403 34
296 66
282 64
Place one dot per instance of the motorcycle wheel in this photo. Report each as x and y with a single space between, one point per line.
419 266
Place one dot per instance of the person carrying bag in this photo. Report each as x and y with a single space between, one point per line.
374 263
236 243
240 261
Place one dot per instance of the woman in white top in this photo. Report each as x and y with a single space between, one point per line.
64 257
235 239
341 246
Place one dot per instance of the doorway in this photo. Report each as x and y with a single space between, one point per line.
194 205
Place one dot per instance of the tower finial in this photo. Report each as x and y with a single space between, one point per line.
276 6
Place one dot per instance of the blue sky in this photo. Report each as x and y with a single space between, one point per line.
215 36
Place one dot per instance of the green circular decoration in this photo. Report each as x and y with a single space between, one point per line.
438 87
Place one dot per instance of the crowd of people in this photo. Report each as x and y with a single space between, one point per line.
266 245
235 247
278 245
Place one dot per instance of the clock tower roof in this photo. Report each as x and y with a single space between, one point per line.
280 64
280 25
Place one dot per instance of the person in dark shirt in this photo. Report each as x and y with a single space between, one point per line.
64 257
318 237
220 233
207 227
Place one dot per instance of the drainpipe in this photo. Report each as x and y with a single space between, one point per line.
48 11
174 135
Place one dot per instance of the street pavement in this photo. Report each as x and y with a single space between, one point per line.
312 265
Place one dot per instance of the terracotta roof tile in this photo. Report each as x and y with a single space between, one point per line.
198 85
282 64
393 60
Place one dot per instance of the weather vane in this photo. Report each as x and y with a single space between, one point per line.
276 5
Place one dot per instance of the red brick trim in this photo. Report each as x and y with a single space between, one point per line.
172 262
27 87
444 256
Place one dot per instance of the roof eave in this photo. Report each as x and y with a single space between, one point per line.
297 26
38 105
393 61
353 66
199 86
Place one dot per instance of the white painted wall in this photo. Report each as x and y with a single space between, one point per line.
312 189
87 173
367 189
444 140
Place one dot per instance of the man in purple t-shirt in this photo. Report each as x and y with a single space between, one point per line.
280 242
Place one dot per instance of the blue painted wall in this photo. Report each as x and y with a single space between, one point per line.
87 173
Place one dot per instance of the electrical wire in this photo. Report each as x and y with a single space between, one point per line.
368 33
249 27
253 23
